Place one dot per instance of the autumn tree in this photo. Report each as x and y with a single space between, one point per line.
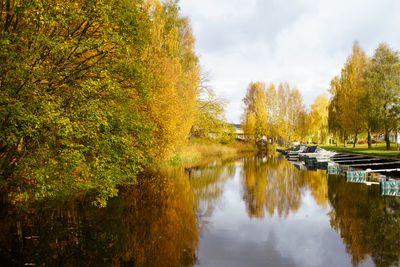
334 125
290 106
275 112
319 118
175 77
282 111
383 91
91 92
303 128
210 120
272 109
255 118
296 114
370 105
352 90
366 95
71 103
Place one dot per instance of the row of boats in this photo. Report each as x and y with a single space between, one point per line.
303 152
356 168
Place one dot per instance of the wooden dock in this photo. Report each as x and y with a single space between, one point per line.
368 163
366 169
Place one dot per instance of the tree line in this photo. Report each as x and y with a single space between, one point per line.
92 92
366 94
280 115
364 101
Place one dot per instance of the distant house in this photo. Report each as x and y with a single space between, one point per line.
392 137
239 132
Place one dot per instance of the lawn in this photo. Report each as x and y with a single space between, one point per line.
377 149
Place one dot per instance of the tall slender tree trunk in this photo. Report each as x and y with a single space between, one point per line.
387 139
369 138
397 140
337 139
344 139
355 139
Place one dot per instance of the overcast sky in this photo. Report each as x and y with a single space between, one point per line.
303 42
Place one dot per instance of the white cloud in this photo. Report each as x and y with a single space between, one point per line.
303 42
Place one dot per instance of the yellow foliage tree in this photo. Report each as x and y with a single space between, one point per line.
255 119
175 77
319 118
352 90
275 113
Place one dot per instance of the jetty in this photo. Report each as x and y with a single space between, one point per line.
365 169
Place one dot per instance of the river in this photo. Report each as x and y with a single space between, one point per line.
251 211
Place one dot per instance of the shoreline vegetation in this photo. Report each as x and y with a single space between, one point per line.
93 93
197 152
363 104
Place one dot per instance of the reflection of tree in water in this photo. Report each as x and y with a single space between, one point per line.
207 183
368 223
160 221
69 233
271 184
151 224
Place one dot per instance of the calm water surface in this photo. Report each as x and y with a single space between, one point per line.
254 211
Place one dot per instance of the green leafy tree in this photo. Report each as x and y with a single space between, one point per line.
210 122
383 93
91 91
70 103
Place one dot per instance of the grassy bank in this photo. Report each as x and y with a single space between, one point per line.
377 149
197 152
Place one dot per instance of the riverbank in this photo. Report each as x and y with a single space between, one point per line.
376 150
198 152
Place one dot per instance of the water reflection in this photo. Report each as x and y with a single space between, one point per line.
304 218
207 183
151 224
160 221
368 223
271 185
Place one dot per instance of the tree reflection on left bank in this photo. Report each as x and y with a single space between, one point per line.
150 224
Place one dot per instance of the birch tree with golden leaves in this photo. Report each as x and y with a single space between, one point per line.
175 77
352 90
319 118
255 118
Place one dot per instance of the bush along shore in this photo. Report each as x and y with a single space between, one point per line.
201 151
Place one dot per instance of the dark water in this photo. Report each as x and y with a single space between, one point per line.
255 211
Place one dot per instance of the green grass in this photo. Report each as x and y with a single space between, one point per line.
377 149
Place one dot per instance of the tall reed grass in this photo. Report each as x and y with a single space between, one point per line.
194 152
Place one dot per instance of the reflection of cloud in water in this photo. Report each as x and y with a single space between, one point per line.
223 249
298 235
